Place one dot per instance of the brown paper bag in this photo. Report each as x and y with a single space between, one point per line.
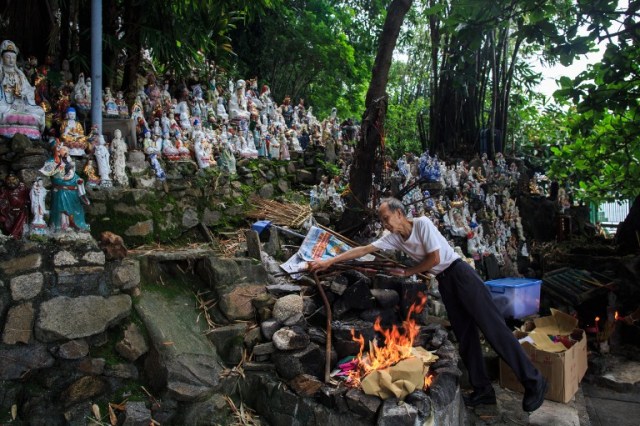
398 380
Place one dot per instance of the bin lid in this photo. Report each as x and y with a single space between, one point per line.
513 282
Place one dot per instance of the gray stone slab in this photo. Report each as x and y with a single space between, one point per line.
27 286
68 318
18 327
183 360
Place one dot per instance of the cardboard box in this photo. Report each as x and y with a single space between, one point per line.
563 368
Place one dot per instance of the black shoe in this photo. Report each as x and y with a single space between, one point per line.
486 396
533 398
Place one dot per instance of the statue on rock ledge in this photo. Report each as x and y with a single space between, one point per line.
119 151
14 214
68 193
18 110
72 134
38 194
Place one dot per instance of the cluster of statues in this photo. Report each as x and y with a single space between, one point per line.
23 210
208 124
476 204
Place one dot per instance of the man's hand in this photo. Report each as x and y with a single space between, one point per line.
398 272
318 265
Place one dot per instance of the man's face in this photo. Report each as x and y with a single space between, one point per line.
390 220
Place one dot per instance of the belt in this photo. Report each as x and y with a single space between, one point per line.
449 268
69 188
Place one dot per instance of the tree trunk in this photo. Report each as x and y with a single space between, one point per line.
372 128
133 43
110 14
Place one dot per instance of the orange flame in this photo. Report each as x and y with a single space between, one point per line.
616 316
427 381
397 345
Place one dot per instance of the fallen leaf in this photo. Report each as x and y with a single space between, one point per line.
96 411
113 419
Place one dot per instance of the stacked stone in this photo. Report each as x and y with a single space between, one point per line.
289 345
57 303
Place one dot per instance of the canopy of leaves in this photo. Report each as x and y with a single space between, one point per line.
320 50
602 158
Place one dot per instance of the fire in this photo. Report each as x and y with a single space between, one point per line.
397 345
616 316
427 381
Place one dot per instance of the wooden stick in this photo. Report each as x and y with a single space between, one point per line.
354 244
327 307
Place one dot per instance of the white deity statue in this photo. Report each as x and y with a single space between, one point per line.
203 151
102 155
152 149
82 94
169 150
237 101
221 113
38 208
292 135
274 149
110 105
119 151
18 110
284 148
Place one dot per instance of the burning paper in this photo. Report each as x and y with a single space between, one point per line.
399 380
395 368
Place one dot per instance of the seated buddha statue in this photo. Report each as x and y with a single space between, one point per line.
72 134
19 112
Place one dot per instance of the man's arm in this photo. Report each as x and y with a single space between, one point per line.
354 253
432 259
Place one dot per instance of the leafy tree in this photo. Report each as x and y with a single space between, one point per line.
603 156
319 50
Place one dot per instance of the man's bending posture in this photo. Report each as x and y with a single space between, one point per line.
468 302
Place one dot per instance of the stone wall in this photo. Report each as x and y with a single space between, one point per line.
58 302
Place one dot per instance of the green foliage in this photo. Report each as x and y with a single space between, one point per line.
319 50
400 127
330 169
603 156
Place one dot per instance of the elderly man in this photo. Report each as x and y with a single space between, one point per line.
463 292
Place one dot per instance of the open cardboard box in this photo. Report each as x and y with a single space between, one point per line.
563 368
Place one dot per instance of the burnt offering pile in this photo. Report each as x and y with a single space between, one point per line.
376 354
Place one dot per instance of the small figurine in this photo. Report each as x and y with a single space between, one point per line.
68 192
14 214
123 109
119 151
284 149
72 134
38 195
82 94
65 72
152 149
102 155
110 105
204 154
93 180
237 101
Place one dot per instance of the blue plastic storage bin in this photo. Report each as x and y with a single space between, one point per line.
515 297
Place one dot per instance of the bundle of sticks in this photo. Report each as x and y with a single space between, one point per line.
284 214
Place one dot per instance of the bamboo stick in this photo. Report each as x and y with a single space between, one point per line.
378 255
327 306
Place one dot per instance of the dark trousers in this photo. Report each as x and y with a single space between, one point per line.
469 306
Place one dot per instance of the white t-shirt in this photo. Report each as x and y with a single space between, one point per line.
424 239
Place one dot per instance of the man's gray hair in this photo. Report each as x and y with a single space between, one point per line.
394 205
